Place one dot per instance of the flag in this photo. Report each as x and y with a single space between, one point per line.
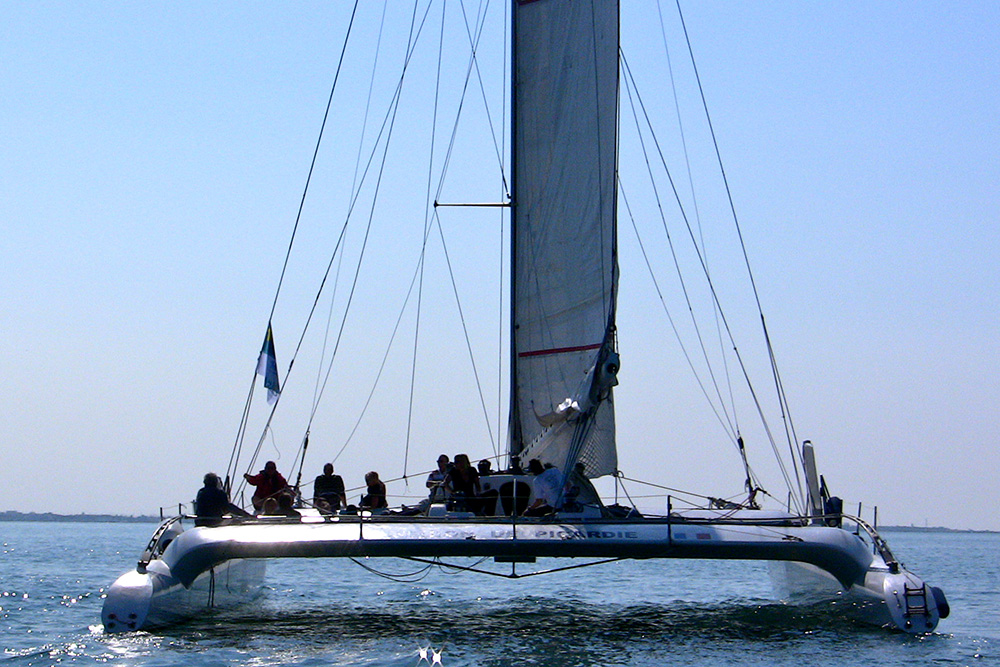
267 366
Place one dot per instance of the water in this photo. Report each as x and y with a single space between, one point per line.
333 612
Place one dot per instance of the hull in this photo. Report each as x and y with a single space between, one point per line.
203 568
895 599
151 596
157 599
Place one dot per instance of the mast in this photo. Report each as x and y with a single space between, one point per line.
515 441
564 272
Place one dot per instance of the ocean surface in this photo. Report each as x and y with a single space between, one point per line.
335 612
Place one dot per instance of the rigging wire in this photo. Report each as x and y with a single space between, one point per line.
436 221
465 330
786 416
354 188
354 191
474 44
237 450
423 245
326 337
388 125
512 575
621 477
505 190
697 212
389 121
419 267
673 251
378 375
355 195
312 163
413 283
715 297
298 217
680 341
407 577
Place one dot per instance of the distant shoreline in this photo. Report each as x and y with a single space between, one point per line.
932 529
77 518
146 518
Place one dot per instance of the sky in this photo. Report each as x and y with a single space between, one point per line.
154 157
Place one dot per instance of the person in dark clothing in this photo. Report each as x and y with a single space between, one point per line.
374 497
330 487
285 505
463 478
211 503
462 483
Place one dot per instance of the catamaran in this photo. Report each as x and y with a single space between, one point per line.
563 205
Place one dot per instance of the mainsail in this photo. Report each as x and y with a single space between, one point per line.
565 273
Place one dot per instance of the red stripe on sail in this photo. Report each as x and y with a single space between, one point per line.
560 350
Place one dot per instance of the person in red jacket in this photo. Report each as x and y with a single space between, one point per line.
269 482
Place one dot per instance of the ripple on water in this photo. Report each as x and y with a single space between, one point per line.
641 614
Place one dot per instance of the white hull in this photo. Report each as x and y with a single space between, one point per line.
881 599
151 596
203 568
156 598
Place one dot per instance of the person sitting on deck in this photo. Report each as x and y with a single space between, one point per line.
322 506
484 468
211 503
547 480
374 497
435 480
579 489
330 488
269 483
269 507
435 485
285 505
463 484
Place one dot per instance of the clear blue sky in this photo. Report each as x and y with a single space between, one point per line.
153 157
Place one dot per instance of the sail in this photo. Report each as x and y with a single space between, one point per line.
564 275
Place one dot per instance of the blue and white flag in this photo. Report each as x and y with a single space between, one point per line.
267 365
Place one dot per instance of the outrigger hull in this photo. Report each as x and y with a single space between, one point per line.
155 598
203 568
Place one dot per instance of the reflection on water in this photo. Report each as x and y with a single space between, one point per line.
526 630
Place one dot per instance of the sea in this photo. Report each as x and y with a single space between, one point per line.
53 577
